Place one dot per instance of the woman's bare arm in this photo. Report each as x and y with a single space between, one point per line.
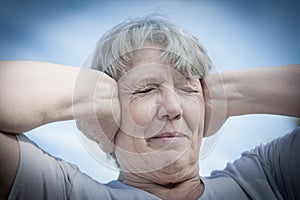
36 93
266 90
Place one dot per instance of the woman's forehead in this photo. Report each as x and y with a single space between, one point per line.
152 60
154 72
146 55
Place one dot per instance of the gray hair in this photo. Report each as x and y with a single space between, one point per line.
116 50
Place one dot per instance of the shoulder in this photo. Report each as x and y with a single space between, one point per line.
281 149
269 169
41 175
9 154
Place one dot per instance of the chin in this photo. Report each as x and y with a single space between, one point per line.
174 161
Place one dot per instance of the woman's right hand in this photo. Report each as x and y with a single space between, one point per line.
99 112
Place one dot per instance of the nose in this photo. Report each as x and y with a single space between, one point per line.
170 105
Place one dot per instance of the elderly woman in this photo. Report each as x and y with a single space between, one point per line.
148 102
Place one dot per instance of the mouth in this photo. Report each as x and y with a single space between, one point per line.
168 137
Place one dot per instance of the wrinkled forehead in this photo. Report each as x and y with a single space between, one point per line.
147 73
151 71
147 55
143 56
151 60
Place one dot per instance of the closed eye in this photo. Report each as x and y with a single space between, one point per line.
146 90
189 89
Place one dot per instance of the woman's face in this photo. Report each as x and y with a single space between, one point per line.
162 118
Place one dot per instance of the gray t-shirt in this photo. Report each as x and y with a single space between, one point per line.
269 171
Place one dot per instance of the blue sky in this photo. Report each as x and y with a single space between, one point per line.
237 35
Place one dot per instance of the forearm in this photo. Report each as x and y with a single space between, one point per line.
268 90
36 93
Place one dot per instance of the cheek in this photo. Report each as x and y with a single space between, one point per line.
142 112
193 109
195 120
128 143
137 116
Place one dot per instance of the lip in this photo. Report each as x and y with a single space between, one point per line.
168 136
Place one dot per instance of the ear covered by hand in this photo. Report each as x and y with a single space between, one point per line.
101 130
215 104
96 108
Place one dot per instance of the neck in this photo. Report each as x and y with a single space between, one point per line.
188 188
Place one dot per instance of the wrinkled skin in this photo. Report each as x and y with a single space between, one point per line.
162 122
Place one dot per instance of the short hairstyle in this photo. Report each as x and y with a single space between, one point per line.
115 51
